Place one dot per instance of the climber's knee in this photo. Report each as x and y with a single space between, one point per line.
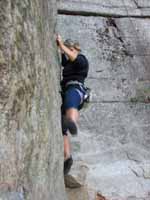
72 114
69 125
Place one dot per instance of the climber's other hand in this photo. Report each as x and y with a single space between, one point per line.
58 39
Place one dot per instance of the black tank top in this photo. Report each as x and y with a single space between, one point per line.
74 70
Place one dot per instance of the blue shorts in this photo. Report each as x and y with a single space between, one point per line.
73 97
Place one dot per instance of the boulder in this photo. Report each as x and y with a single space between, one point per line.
77 175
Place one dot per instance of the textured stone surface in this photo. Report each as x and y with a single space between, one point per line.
117 148
31 156
81 193
114 137
118 54
114 8
11 196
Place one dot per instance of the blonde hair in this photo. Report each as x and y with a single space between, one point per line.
72 43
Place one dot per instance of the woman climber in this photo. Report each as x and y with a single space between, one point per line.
75 69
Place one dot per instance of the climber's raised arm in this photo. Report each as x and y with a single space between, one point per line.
70 52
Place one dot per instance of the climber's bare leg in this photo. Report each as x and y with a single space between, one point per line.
68 161
67 148
73 114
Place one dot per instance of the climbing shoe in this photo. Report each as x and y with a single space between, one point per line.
68 124
67 165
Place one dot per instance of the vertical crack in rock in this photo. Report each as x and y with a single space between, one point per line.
111 41
136 3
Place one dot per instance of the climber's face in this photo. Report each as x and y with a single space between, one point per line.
74 50
71 48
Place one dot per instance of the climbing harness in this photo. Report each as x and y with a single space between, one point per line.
82 90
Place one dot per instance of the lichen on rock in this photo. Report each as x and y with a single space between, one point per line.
31 146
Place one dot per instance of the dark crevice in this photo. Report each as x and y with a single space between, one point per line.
140 7
112 22
134 172
130 157
137 5
95 14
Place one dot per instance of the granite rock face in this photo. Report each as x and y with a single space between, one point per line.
114 136
115 8
31 147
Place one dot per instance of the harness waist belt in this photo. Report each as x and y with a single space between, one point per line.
74 82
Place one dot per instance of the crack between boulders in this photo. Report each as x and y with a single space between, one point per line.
95 14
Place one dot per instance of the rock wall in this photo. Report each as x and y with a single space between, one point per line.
114 137
31 147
